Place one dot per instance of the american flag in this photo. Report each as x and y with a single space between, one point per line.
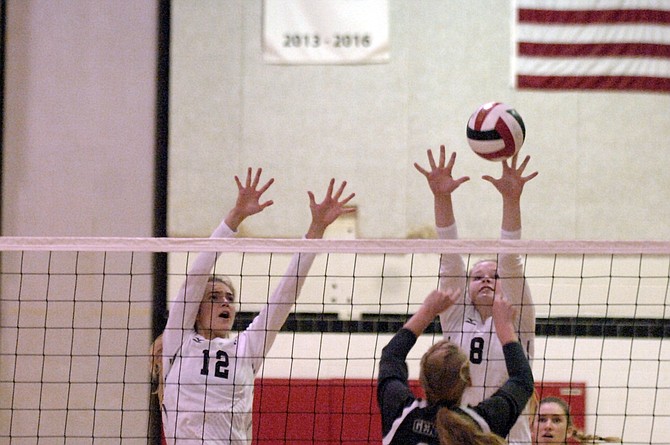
592 45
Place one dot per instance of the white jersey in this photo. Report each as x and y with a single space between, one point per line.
208 392
463 325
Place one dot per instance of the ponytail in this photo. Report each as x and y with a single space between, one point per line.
157 368
589 438
455 429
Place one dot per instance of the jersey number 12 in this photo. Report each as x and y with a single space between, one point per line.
220 367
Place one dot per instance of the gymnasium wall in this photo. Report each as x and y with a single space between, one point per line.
601 155
79 118
78 159
78 153
601 158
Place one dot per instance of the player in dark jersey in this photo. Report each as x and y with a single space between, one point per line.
441 419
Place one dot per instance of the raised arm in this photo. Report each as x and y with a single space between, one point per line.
504 407
184 308
510 266
503 319
435 303
271 318
442 184
392 385
452 268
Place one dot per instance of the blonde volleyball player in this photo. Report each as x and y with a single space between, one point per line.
445 375
468 323
209 373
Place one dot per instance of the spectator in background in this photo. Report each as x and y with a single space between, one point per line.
552 424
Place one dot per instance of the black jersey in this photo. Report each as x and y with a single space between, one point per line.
408 420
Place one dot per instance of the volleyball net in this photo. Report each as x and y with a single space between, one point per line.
78 316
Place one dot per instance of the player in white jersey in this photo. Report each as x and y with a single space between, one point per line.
469 322
209 374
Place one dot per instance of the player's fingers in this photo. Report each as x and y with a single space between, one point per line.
452 161
238 182
431 160
257 177
267 185
461 180
340 190
347 199
421 169
348 209
248 181
331 184
529 177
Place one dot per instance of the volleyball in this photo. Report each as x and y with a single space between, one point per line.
495 131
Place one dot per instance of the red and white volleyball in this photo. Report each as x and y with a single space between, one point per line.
496 131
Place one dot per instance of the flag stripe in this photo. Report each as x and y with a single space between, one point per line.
663 5
651 84
592 44
587 17
593 34
592 49
613 66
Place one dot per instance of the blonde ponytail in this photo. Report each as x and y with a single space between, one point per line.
589 438
455 429
157 368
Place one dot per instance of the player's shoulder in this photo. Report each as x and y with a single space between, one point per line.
198 341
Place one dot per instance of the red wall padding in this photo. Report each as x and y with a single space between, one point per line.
344 411
306 411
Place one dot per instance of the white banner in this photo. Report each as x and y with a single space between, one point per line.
325 31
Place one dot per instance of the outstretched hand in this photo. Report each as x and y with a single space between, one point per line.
511 182
248 198
328 210
436 302
504 315
440 179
